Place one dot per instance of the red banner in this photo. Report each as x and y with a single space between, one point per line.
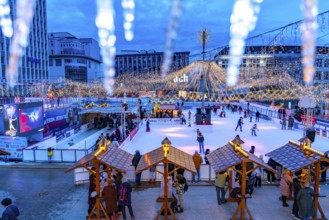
133 133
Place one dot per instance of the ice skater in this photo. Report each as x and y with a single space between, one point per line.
240 123
200 139
253 130
148 129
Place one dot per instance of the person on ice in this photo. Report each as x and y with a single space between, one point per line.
253 130
240 123
148 129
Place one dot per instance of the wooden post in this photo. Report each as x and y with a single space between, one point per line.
317 205
98 205
243 188
165 206
242 207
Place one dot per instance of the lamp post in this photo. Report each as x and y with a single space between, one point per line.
124 115
203 37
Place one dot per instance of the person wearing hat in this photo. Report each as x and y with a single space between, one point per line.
197 159
11 212
137 157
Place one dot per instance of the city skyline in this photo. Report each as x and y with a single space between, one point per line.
151 18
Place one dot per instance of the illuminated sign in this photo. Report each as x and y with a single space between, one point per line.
181 79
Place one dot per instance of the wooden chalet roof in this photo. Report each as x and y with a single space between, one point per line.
114 157
292 157
225 157
175 156
2 152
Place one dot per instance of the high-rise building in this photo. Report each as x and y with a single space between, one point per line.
33 70
73 58
147 61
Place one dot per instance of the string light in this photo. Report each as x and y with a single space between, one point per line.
309 28
243 20
129 16
5 19
172 29
107 38
24 16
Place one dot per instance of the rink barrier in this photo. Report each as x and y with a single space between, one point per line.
81 175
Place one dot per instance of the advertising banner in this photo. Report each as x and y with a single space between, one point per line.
54 120
11 122
14 146
164 121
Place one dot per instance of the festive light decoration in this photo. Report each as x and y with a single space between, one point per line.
309 28
269 84
129 16
5 19
24 15
172 29
243 20
107 38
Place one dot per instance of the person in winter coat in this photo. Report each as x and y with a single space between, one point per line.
240 123
179 185
324 164
205 158
200 139
135 162
125 198
109 195
284 123
290 122
285 185
257 116
220 186
254 129
197 159
250 116
91 197
11 212
305 202
296 186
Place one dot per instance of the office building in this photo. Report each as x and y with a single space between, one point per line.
72 58
33 70
147 61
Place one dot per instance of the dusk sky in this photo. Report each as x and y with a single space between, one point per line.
151 18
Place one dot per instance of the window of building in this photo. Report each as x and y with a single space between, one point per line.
318 62
326 63
68 60
58 62
317 76
326 75
50 62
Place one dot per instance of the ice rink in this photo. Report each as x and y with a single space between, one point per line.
269 137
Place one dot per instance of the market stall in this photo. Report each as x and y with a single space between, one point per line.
166 154
113 158
230 157
296 156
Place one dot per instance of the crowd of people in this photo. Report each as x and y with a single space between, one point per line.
115 194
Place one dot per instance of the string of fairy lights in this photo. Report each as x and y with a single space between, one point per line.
221 84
